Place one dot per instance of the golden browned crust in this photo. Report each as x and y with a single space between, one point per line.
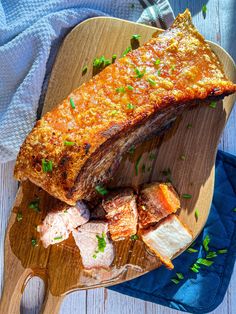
155 202
188 71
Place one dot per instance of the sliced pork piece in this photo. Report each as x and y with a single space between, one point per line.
156 201
58 224
167 239
122 215
76 215
96 249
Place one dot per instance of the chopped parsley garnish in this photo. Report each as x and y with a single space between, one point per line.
131 150
211 255
72 103
213 104
114 112
101 190
120 90
189 125
101 62
187 196
206 242
35 205
197 214
205 262
172 68
58 238
195 268
151 81
204 10
113 58
84 70
129 87
101 244
130 106
136 36
222 251
134 237
19 216
68 143
159 72
180 275
127 50
107 62
192 250
182 157
157 62
139 74
152 156
137 164
98 62
34 242
46 165
143 168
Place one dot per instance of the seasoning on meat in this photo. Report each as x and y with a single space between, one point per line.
96 114
167 239
156 201
122 215
96 249
58 224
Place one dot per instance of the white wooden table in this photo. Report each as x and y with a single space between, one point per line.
220 27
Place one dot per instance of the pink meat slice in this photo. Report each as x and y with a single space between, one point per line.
57 225
86 238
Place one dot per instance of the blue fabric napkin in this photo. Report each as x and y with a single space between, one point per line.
31 32
198 292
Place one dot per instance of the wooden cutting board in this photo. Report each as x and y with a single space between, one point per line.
60 265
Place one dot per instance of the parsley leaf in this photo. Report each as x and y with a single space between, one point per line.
187 196
46 165
204 10
136 36
139 74
127 50
137 164
72 103
213 104
206 242
101 190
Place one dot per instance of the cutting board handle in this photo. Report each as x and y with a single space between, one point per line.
51 304
14 283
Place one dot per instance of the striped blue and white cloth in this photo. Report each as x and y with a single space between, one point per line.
31 32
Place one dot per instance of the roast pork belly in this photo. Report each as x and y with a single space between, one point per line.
167 239
58 224
80 143
96 249
156 201
121 210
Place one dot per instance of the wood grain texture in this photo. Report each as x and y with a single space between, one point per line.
100 302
